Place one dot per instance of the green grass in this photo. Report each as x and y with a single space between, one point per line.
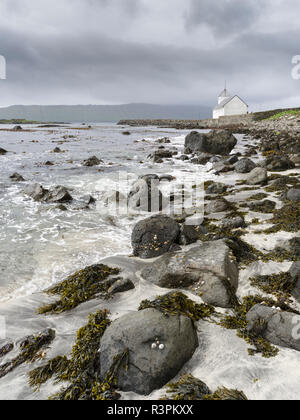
284 114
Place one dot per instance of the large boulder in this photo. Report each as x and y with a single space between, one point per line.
208 270
219 142
158 348
278 327
244 166
146 196
258 176
154 236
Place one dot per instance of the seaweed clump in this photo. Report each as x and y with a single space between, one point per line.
177 303
280 285
80 287
32 348
244 253
258 197
82 368
286 219
224 394
188 388
7 348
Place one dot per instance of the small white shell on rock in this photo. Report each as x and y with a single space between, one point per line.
161 347
154 346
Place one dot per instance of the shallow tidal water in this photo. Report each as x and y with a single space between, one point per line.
39 244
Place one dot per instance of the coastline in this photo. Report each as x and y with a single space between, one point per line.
267 140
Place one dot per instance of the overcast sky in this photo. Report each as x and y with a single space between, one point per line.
154 51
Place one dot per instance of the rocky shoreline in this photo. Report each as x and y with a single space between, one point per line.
235 274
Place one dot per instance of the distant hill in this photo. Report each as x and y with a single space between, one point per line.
103 113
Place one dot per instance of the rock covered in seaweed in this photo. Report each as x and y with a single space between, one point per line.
158 347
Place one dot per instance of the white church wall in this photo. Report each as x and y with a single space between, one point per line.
235 107
218 113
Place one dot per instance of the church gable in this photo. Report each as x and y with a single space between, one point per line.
227 106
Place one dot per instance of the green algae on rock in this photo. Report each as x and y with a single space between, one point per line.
225 394
188 388
32 348
80 287
286 219
177 303
280 285
82 369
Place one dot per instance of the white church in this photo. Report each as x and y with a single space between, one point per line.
229 105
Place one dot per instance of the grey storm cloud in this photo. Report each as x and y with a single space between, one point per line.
224 17
170 52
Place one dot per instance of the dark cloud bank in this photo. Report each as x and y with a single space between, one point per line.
125 51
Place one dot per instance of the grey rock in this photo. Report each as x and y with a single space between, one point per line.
17 177
168 178
164 140
55 195
295 270
149 368
216 188
202 159
189 234
217 206
222 168
234 223
258 176
244 166
290 245
121 285
295 275
279 327
279 163
293 195
154 236
266 206
184 158
161 154
208 270
35 191
92 161
232 160
220 142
